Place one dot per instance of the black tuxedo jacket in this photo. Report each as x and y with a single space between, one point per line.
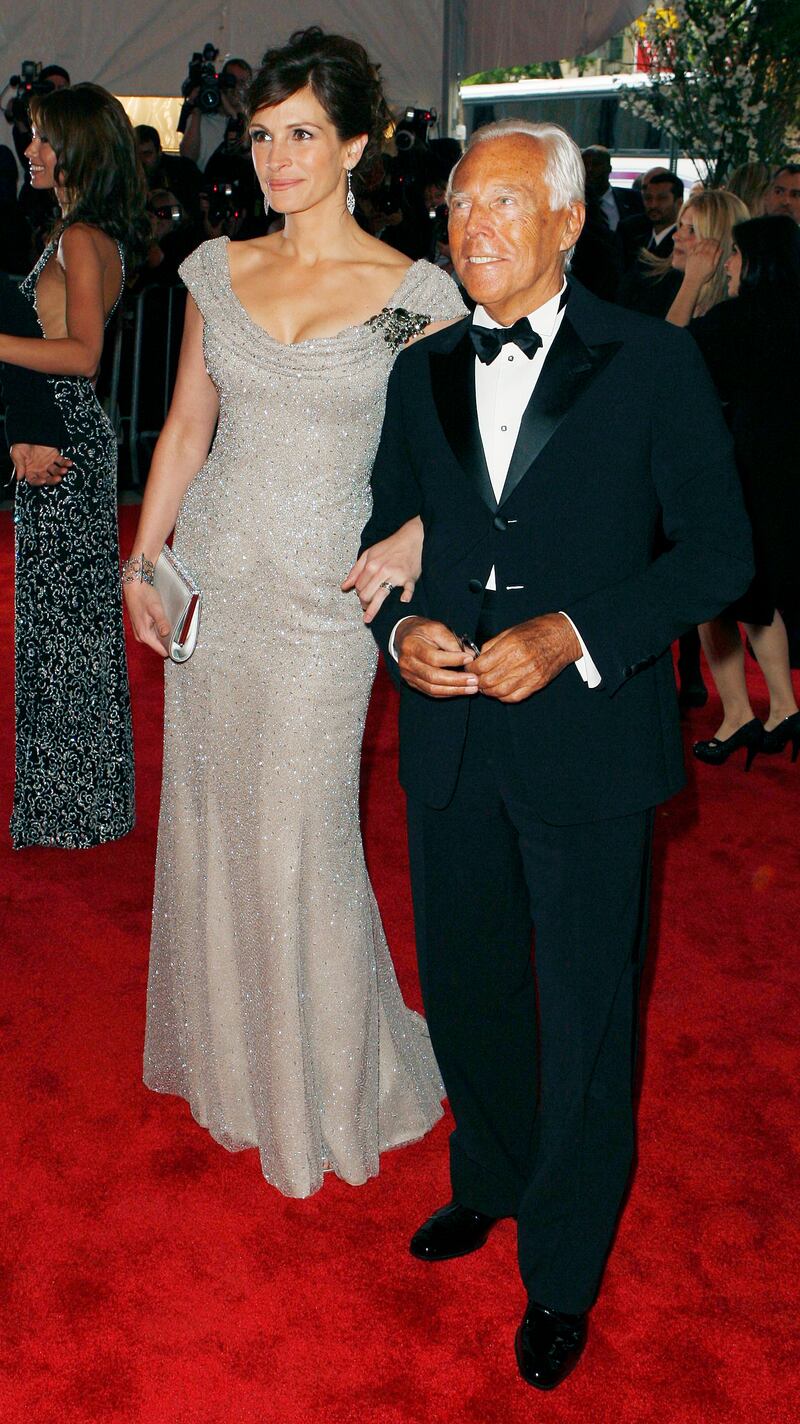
625 518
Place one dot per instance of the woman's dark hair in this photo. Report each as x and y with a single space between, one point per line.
341 77
97 163
770 249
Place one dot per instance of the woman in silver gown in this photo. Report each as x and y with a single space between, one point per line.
273 1006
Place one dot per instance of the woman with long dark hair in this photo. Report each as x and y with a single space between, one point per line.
74 754
751 345
273 1006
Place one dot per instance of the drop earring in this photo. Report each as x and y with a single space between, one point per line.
266 206
350 202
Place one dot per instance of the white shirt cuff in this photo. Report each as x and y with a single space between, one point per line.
394 630
584 664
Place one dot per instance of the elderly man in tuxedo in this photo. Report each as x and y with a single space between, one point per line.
570 534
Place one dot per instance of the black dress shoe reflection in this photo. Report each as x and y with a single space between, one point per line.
548 1345
452 1231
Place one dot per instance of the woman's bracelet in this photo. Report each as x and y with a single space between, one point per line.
137 569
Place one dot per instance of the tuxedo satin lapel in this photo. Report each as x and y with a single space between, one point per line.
453 385
569 370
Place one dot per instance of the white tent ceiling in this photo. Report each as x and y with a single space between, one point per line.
142 46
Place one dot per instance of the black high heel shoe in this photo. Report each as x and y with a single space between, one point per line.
751 736
786 731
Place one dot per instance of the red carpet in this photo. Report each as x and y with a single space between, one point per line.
149 1276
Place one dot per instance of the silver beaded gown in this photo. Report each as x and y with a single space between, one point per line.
273 1006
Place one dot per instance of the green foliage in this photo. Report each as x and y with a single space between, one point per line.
726 81
551 69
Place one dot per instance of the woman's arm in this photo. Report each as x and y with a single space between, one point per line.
181 450
78 353
396 560
701 264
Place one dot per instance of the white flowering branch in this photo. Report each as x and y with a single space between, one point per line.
725 82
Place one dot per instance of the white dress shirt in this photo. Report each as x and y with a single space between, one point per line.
609 206
503 390
657 238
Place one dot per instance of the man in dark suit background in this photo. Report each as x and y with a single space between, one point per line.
615 203
662 196
573 533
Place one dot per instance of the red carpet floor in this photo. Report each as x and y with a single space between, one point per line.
148 1276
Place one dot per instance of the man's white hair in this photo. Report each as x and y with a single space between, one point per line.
564 172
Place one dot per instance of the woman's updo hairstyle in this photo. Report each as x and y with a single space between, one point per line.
340 75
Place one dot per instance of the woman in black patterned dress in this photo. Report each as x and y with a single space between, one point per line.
74 746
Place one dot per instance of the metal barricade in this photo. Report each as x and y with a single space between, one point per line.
140 372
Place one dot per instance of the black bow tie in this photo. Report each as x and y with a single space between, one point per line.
488 340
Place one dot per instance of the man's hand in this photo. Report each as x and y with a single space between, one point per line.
428 655
39 464
524 659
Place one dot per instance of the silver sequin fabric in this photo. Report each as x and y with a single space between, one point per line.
273 1006
74 783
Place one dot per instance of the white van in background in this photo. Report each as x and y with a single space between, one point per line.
591 111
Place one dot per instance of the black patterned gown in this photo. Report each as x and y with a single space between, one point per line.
74 746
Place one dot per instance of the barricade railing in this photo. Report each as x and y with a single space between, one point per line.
139 372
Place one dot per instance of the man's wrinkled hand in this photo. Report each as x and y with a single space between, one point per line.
431 659
524 659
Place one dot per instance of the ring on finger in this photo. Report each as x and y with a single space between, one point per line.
387 585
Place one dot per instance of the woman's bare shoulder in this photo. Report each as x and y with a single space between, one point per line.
375 253
80 241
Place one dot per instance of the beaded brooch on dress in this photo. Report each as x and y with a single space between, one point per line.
398 325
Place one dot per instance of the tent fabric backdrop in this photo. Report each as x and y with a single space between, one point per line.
507 32
144 49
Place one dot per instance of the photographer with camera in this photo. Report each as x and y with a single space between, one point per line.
28 220
173 236
213 114
168 170
31 80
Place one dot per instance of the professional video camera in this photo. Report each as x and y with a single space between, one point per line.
222 202
167 212
203 77
27 83
412 129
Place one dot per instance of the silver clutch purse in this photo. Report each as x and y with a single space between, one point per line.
182 601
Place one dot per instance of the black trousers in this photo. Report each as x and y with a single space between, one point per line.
537 1055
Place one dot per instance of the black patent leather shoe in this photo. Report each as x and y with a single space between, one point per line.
548 1345
779 737
714 752
452 1231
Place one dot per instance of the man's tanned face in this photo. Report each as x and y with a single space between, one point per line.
782 198
506 241
660 203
